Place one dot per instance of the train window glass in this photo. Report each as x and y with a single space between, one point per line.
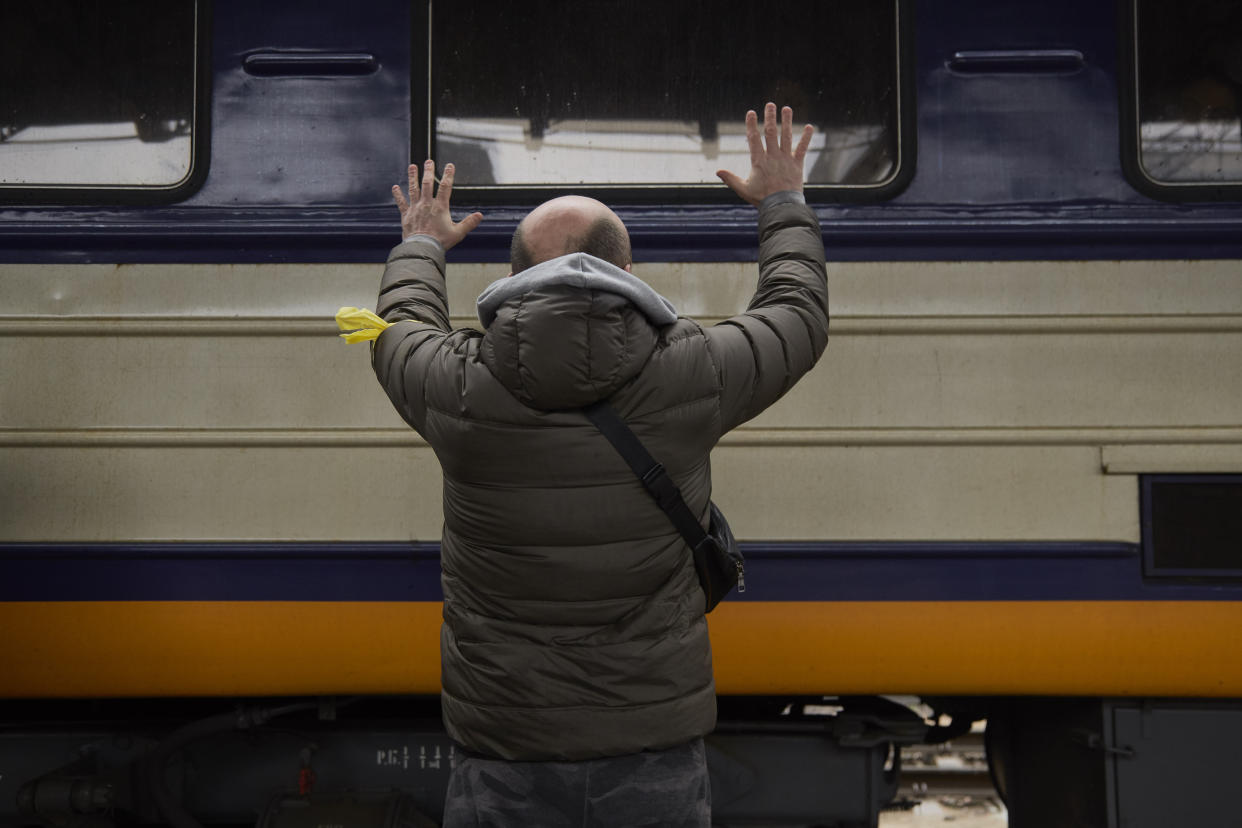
1188 89
1193 525
98 97
636 95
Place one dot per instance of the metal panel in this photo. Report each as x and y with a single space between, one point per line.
1183 769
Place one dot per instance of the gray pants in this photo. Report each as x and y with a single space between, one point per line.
665 788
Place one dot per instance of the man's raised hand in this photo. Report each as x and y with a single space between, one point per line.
429 214
773 168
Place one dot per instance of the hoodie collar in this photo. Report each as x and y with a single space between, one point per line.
581 270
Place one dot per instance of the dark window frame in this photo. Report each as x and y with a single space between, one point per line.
1151 569
143 195
422 139
1131 127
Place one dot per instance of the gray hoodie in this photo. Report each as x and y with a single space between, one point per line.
573 620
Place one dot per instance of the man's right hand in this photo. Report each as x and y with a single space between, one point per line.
774 168
428 214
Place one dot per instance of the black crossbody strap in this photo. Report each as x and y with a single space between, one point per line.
652 475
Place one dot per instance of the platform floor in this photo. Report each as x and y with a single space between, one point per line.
958 813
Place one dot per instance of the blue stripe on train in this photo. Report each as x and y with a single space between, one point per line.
841 571
699 233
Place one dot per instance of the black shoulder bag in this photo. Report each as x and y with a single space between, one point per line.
717 558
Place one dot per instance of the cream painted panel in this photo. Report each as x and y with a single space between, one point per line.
927 289
867 289
189 382
924 493
864 381
213 290
876 374
882 371
1024 380
62 494
770 493
1092 288
1173 459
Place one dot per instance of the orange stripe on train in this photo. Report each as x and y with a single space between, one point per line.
1123 648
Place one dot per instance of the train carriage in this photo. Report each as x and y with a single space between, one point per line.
1011 489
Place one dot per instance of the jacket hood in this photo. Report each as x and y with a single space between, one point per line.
577 270
569 331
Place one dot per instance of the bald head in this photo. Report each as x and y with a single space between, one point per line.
569 224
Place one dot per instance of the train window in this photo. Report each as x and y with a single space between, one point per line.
1188 94
1192 525
637 96
99 100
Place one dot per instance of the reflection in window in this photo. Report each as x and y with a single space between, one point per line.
651 93
96 94
1189 77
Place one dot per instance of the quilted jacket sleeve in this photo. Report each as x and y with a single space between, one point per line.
761 353
413 298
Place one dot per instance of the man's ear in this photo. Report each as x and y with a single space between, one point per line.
510 274
629 268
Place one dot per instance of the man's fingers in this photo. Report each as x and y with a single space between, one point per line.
804 144
429 178
425 206
752 137
770 156
769 126
469 222
446 185
735 184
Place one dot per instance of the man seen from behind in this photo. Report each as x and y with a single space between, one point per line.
576 666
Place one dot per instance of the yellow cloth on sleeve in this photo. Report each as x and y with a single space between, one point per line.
359 324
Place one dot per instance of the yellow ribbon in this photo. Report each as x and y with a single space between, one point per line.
359 324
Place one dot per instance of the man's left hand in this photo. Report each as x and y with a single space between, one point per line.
428 214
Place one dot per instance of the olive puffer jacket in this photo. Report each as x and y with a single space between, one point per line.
573 620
